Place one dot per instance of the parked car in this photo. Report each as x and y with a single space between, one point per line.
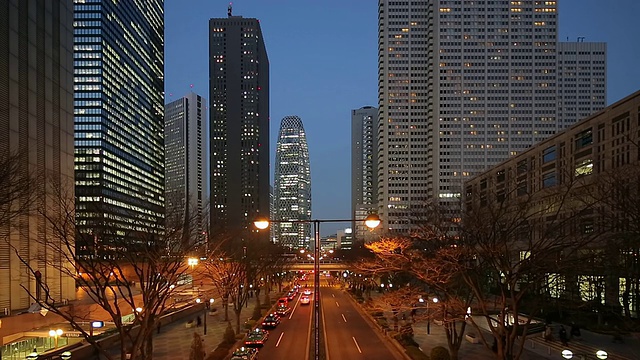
256 338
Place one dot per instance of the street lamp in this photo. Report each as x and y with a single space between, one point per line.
32 356
192 262
372 221
65 355
568 354
55 334
435 301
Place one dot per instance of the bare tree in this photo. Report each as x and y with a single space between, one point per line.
130 285
516 252
17 187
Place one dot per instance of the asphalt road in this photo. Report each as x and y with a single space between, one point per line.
348 335
290 340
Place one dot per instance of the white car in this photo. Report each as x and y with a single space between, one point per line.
306 292
305 300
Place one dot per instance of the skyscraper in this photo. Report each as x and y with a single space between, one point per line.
364 157
239 125
292 193
36 125
119 113
463 86
186 164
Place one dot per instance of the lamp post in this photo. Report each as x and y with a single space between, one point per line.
192 262
600 354
435 301
372 221
55 334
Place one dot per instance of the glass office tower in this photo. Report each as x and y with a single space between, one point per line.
292 186
119 156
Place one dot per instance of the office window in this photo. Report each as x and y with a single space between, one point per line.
549 154
549 179
584 138
584 167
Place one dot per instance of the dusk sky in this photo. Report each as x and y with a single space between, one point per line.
323 63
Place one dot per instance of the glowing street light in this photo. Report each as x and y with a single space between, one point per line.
372 221
55 334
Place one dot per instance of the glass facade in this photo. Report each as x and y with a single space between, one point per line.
292 185
118 99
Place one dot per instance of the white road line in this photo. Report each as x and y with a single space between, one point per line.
344 318
279 338
333 295
294 308
337 304
354 340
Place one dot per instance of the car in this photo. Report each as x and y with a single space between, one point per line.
256 338
283 310
283 301
271 321
305 300
291 295
306 292
245 353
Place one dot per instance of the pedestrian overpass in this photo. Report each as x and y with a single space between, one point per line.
308 266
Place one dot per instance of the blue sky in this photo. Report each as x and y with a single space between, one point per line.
323 64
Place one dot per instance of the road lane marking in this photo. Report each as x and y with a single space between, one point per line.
354 340
344 318
294 308
333 295
337 304
279 338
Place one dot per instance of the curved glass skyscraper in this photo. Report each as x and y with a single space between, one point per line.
292 190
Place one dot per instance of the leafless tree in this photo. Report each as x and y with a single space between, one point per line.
130 286
516 252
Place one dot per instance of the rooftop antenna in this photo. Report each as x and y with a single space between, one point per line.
229 8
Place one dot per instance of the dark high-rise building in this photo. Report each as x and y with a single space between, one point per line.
119 111
239 125
36 131
292 193
186 165
364 168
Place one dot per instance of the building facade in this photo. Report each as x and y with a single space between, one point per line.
598 159
292 188
364 157
462 86
187 165
119 116
239 125
36 129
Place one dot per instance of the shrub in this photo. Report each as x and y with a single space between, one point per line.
382 322
229 336
377 314
415 353
439 353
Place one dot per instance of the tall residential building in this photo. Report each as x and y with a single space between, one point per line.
463 85
292 189
239 125
364 157
119 117
187 165
36 124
